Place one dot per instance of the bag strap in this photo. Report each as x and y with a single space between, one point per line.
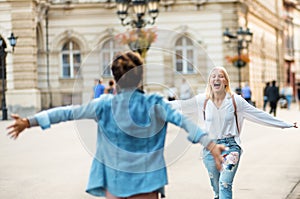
204 107
235 114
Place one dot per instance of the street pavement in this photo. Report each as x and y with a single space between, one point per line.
54 164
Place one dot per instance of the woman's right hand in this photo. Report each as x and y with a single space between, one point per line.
18 126
295 125
216 151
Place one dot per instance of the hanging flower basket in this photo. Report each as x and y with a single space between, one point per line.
238 61
138 40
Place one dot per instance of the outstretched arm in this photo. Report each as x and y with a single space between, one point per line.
196 135
56 115
247 111
18 126
189 106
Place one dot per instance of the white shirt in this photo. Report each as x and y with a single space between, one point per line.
220 122
288 91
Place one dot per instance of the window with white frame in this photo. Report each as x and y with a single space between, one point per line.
71 60
185 55
108 51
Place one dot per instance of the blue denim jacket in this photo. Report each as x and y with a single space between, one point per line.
131 136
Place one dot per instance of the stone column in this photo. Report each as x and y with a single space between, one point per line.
23 95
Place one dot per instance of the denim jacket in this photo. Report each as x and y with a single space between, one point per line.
131 136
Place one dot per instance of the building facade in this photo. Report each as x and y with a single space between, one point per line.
63 45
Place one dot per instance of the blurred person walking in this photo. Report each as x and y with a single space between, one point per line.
273 97
288 93
246 93
185 90
111 89
99 89
265 95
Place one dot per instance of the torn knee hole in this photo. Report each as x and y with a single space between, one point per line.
225 185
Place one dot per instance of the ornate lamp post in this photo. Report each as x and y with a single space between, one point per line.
139 7
137 20
13 41
243 38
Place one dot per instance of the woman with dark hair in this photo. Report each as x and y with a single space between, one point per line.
273 97
111 87
129 161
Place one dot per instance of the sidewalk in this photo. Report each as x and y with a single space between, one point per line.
55 163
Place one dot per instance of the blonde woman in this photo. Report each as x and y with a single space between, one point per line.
223 113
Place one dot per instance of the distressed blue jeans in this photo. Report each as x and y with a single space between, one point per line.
221 181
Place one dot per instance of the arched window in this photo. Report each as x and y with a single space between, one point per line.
108 51
71 60
185 55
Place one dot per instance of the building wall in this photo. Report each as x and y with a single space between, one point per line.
297 44
35 81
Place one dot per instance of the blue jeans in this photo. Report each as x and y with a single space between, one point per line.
289 101
221 181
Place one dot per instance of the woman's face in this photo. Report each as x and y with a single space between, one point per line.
218 81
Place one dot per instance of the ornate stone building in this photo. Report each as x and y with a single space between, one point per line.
63 45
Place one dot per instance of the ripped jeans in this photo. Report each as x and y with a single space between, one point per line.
221 181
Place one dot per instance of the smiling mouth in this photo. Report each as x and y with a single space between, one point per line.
217 85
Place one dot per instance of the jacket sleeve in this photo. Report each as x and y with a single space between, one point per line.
66 113
196 134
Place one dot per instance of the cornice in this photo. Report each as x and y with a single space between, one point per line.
263 13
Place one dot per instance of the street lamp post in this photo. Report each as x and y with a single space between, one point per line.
138 20
139 7
243 38
12 40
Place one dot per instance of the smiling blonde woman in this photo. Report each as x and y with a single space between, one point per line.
223 113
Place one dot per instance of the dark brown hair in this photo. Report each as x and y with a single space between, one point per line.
127 69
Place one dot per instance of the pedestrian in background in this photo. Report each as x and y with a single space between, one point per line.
99 89
129 161
288 93
96 82
172 93
246 93
111 89
265 95
223 114
273 97
185 90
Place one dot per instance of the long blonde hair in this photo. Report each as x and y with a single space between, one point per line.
209 93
